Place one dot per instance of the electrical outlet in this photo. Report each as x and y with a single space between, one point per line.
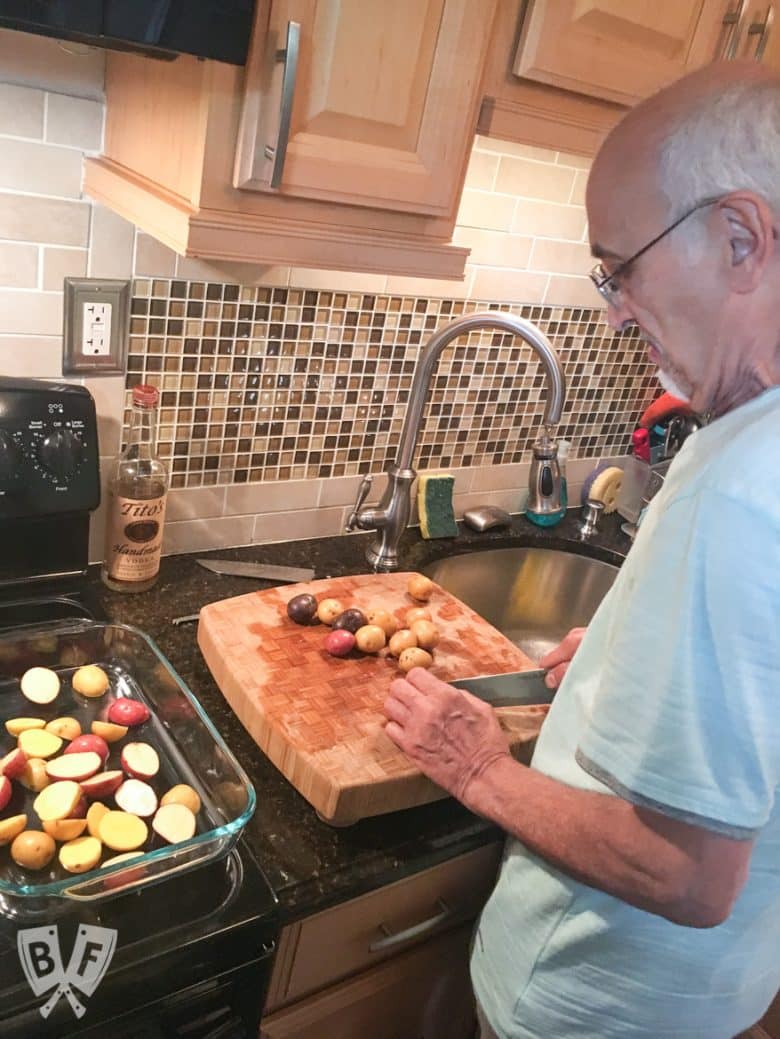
96 326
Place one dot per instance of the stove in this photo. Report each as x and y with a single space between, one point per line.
192 953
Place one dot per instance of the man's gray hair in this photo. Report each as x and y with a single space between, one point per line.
724 143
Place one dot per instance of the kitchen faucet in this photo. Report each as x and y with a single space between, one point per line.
390 517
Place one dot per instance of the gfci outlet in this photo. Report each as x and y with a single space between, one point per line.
96 324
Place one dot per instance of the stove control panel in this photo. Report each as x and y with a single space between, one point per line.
48 449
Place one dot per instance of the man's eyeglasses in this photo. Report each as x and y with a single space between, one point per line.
609 284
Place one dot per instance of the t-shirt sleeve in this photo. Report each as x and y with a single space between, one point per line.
686 719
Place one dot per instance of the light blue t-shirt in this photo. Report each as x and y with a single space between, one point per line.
673 702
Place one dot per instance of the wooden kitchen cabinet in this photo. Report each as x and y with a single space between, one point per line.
392 964
384 107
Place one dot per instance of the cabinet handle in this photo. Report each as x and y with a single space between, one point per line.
289 56
390 940
732 21
762 31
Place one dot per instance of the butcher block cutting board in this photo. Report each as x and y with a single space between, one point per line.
319 718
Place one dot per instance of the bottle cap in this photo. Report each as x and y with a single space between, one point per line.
145 395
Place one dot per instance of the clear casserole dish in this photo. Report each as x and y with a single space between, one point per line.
189 747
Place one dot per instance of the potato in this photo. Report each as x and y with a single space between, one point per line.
121 831
109 731
417 613
383 619
182 794
11 827
414 657
427 634
34 777
65 829
33 849
16 726
80 855
65 728
403 639
420 587
38 743
328 610
57 800
40 685
95 813
370 639
91 681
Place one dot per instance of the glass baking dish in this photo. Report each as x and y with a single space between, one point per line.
189 747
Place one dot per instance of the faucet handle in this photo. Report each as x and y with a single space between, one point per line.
362 494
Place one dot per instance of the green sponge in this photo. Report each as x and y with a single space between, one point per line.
434 503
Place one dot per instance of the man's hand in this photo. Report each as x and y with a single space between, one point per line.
557 661
450 735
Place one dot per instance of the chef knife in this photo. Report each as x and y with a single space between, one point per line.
263 571
517 689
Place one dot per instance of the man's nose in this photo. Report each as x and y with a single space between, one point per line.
620 317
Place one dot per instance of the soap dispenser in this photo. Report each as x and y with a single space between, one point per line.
546 505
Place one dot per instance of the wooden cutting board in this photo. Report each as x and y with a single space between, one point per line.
319 718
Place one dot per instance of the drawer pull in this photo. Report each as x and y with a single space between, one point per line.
389 940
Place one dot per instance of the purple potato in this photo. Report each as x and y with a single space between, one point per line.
350 620
302 609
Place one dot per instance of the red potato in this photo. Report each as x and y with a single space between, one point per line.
5 791
103 784
89 742
108 731
140 760
78 766
58 800
340 642
12 765
128 712
136 798
80 809
174 823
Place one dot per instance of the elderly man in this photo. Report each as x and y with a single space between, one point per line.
639 897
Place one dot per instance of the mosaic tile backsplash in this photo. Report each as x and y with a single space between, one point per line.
264 384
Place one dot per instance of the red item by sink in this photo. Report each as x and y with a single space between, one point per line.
661 408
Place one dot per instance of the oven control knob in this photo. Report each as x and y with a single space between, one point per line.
60 453
10 457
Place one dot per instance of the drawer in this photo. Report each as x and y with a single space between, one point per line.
355 935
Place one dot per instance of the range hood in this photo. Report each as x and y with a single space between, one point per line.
218 29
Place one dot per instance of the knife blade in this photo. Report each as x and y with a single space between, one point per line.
263 571
517 689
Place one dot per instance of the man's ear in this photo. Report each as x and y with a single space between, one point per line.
751 238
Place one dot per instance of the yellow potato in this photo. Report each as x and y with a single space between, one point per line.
38 743
65 829
383 619
16 726
33 849
96 812
110 731
122 831
80 855
370 638
417 613
57 800
182 794
34 777
427 634
414 657
420 587
328 610
65 728
11 827
91 681
404 639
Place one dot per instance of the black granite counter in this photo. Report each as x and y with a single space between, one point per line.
309 864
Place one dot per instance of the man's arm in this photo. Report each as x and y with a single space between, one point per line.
686 873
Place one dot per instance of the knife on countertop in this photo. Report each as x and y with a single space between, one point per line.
261 571
517 689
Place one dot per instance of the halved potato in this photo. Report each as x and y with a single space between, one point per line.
11 827
65 829
182 794
15 726
96 812
122 831
65 728
110 731
80 855
34 776
57 800
38 743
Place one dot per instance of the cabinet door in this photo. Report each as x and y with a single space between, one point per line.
424 994
384 102
758 35
620 50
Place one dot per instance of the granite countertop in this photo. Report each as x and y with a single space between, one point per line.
310 864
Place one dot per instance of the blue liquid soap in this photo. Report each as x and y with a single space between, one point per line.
549 519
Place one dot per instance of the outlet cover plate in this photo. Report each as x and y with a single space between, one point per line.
77 359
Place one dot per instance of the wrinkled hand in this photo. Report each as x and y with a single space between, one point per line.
557 660
449 734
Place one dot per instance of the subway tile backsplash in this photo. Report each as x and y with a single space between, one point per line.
263 384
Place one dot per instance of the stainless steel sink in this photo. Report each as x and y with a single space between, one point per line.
533 595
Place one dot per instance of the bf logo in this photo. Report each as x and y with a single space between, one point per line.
39 954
